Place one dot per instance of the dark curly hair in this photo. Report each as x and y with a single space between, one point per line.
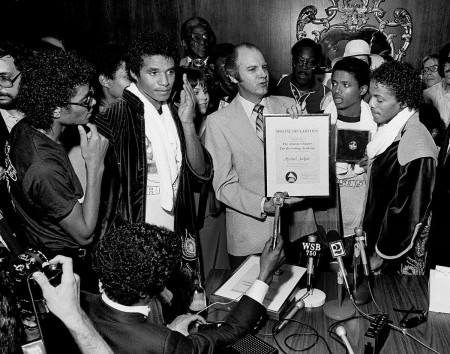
19 52
148 44
403 80
356 67
306 43
49 80
136 259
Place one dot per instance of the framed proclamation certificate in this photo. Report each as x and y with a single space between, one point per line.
297 153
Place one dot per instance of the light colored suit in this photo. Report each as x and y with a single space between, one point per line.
238 158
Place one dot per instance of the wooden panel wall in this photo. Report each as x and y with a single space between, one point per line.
270 24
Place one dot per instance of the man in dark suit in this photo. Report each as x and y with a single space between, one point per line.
439 242
133 263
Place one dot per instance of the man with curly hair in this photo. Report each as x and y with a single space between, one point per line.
403 159
54 93
156 155
133 264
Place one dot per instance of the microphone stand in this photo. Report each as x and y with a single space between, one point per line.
278 201
339 309
361 293
311 297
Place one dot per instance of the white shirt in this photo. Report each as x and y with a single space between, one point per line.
132 309
9 119
257 292
248 108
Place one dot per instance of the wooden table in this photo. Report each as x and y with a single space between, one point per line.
389 291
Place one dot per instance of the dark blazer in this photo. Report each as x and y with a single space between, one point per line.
124 181
439 239
131 333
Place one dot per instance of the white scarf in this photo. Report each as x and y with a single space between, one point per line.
163 135
387 133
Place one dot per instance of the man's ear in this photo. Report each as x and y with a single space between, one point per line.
363 90
104 81
57 112
233 79
134 76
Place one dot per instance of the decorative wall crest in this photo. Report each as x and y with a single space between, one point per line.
355 23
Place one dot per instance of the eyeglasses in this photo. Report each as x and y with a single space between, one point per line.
412 322
197 37
88 100
6 82
430 69
309 64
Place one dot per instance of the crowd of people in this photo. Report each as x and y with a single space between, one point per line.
139 170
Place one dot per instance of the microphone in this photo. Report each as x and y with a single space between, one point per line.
360 238
311 249
337 251
342 333
278 201
298 306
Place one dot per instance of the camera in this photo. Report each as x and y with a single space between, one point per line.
28 292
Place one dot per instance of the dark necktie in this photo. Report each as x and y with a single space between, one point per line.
259 121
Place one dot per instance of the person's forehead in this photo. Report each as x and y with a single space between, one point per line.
381 90
430 62
7 64
343 75
157 61
446 65
81 91
304 52
199 30
249 56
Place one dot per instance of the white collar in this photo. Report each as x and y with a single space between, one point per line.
248 106
132 309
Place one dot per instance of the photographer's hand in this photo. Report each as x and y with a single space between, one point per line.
64 301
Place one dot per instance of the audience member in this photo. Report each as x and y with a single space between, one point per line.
157 156
234 139
54 93
439 94
302 84
12 57
348 111
210 212
223 90
360 49
111 76
403 169
379 44
64 302
430 118
430 70
197 39
133 264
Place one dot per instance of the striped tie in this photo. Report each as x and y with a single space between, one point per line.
259 121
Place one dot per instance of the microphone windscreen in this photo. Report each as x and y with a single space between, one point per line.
333 236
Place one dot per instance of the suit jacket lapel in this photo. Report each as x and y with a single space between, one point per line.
444 150
242 128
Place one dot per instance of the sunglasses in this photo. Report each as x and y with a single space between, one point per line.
87 101
197 37
412 322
